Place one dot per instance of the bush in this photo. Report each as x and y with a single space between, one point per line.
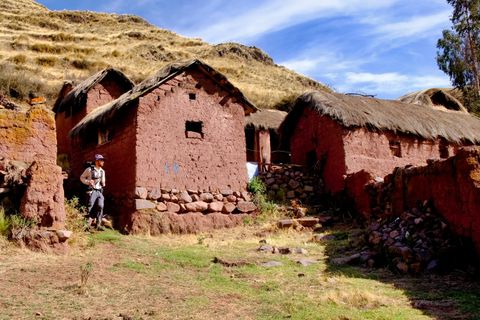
256 186
18 59
13 224
4 223
46 61
75 221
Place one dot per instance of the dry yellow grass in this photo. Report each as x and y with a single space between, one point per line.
39 45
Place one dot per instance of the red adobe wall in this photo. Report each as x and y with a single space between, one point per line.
324 136
370 151
100 94
166 158
452 185
119 166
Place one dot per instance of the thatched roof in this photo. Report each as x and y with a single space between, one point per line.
436 98
266 119
377 114
106 112
78 95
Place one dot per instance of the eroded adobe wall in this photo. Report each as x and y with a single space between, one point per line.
28 165
452 186
171 158
371 151
318 139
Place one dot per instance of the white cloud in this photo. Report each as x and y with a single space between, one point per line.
276 15
390 83
414 27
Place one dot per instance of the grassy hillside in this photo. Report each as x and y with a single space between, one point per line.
39 49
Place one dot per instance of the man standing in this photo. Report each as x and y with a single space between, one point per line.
94 178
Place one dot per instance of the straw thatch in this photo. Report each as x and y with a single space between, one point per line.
77 97
265 119
396 116
436 98
105 113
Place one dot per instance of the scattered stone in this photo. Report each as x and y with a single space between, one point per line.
308 222
265 248
271 264
306 262
353 259
230 263
300 251
64 235
284 250
285 223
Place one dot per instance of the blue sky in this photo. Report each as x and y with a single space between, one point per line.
381 47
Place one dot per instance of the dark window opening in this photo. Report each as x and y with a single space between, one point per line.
311 158
395 148
443 149
194 129
104 136
192 96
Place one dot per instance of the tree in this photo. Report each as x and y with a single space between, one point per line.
459 51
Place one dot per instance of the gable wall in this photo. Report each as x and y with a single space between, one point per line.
166 158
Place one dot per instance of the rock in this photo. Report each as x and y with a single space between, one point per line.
375 237
64 235
4 190
185 197
196 206
228 207
284 250
175 191
271 264
206 197
195 197
215 206
300 251
226 192
285 223
306 262
290 194
231 198
161 207
265 248
433 266
165 197
183 208
394 234
154 194
218 197
246 206
402 267
237 194
270 181
308 222
141 204
192 191
246 196
274 186
353 259
294 184
173 207
173 198
308 189
141 193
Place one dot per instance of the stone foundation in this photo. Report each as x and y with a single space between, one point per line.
176 201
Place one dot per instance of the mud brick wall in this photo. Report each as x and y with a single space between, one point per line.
452 186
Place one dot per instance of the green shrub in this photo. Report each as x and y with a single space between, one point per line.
256 186
4 223
75 221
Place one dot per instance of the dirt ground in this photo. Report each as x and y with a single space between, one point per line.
174 277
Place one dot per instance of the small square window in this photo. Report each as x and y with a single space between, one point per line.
104 136
194 129
395 148
192 96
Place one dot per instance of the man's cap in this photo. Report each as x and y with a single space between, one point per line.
99 157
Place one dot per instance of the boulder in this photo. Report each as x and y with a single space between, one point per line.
197 206
161 207
215 206
141 204
228 207
173 207
64 235
246 196
154 194
185 197
231 198
226 192
206 197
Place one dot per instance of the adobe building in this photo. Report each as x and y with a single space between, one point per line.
352 140
175 143
261 133
74 103
435 98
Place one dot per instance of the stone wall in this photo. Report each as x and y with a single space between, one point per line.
291 182
29 176
452 186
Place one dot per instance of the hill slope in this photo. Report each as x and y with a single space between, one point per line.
39 49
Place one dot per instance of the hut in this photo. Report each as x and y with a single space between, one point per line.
435 98
261 134
177 134
343 135
74 103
